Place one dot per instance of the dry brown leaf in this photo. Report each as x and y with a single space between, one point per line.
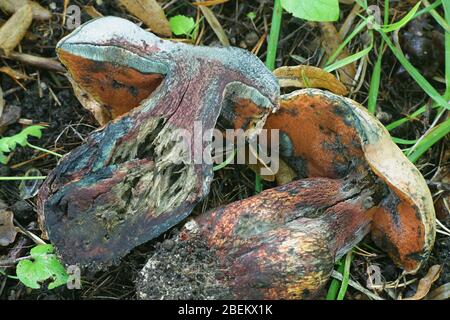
151 13
92 12
208 3
9 116
425 283
348 23
309 77
215 25
285 173
7 230
12 32
331 42
14 74
259 165
12 6
256 168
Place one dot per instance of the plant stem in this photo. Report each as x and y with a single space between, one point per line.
274 35
226 162
22 178
44 150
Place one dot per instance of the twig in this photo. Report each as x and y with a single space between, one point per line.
35 61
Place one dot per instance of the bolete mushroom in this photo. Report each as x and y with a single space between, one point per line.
337 138
130 181
283 242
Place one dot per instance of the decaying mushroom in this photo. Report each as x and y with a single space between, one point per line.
354 180
130 181
338 137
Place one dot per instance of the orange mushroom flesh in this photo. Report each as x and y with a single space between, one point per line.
116 88
283 242
324 135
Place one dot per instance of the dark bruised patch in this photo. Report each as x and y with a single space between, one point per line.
120 88
397 230
286 145
321 136
246 113
390 204
418 256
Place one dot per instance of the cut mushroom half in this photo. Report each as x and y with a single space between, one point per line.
352 181
325 135
143 172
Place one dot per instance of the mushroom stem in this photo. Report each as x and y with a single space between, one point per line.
279 244
283 242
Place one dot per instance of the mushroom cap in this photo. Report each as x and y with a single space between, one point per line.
325 135
118 65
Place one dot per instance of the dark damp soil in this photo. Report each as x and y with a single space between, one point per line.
182 269
177 270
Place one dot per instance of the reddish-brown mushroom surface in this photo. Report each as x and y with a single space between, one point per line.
338 137
283 242
131 181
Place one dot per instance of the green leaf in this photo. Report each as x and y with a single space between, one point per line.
399 24
35 131
8 144
3 158
375 82
313 10
43 265
182 25
41 250
251 15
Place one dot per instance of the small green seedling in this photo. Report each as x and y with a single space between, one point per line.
183 26
251 15
8 144
43 265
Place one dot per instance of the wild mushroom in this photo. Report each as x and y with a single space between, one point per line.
130 181
283 242
338 138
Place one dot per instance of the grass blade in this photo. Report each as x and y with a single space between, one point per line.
333 289
430 139
354 57
415 74
442 22
375 82
403 141
274 35
344 43
399 24
346 276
